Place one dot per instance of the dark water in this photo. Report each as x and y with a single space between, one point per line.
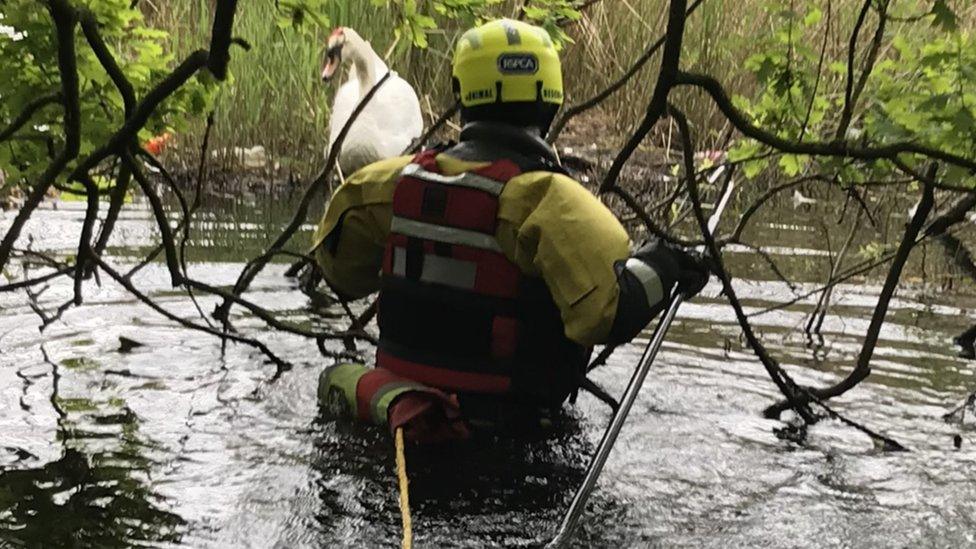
175 443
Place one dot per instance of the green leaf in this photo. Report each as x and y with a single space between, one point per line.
958 176
963 121
813 17
753 168
745 151
943 16
792 164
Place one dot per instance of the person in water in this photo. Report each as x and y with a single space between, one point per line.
497 272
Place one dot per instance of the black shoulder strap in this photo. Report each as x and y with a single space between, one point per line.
441 146
489 152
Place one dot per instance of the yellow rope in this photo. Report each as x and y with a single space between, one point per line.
401 464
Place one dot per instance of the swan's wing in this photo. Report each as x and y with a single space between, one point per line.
346 98
395 117
407 118
385 127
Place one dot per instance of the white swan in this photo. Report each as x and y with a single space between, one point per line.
389 122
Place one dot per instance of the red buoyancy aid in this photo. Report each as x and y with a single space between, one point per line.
454 312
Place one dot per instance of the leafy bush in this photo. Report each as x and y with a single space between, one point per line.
913 80
28 55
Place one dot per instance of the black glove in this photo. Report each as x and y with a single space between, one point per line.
646 281
675 266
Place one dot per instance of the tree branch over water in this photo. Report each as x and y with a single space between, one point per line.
779 376
122 144
841 148
27 113
317 186
862 367
670 60
64 22
121 148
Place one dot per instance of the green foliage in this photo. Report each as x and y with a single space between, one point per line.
928 94
550 14
920 89
872 251
944 16
299 13
414 20
28 53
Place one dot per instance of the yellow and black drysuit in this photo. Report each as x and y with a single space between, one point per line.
496 274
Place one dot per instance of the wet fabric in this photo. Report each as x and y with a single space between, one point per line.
378 396
454 312
548 225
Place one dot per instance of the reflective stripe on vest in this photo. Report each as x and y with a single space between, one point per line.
440 233
454 312
438 270
379 405
466 179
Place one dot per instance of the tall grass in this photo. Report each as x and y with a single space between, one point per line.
276 99
272 98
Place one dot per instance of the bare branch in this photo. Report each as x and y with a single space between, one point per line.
862 368
779 376
851 54
441 120
162 223
317 186
670 60
281 366
27 113
143 110
220 38
89 26
579 108
64 23
853 91
21 284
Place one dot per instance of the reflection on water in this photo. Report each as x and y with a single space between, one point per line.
98 499
176 443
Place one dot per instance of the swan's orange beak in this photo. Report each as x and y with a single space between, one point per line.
333 58
333 54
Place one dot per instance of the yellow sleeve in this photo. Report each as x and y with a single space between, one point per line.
349 241
553 227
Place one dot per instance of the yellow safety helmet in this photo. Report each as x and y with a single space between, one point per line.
507 61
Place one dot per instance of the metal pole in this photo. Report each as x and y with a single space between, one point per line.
610 436
630 394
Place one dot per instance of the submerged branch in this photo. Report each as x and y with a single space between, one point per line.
281 366
779 376
862 368
797 398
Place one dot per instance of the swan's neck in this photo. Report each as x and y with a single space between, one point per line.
366 64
